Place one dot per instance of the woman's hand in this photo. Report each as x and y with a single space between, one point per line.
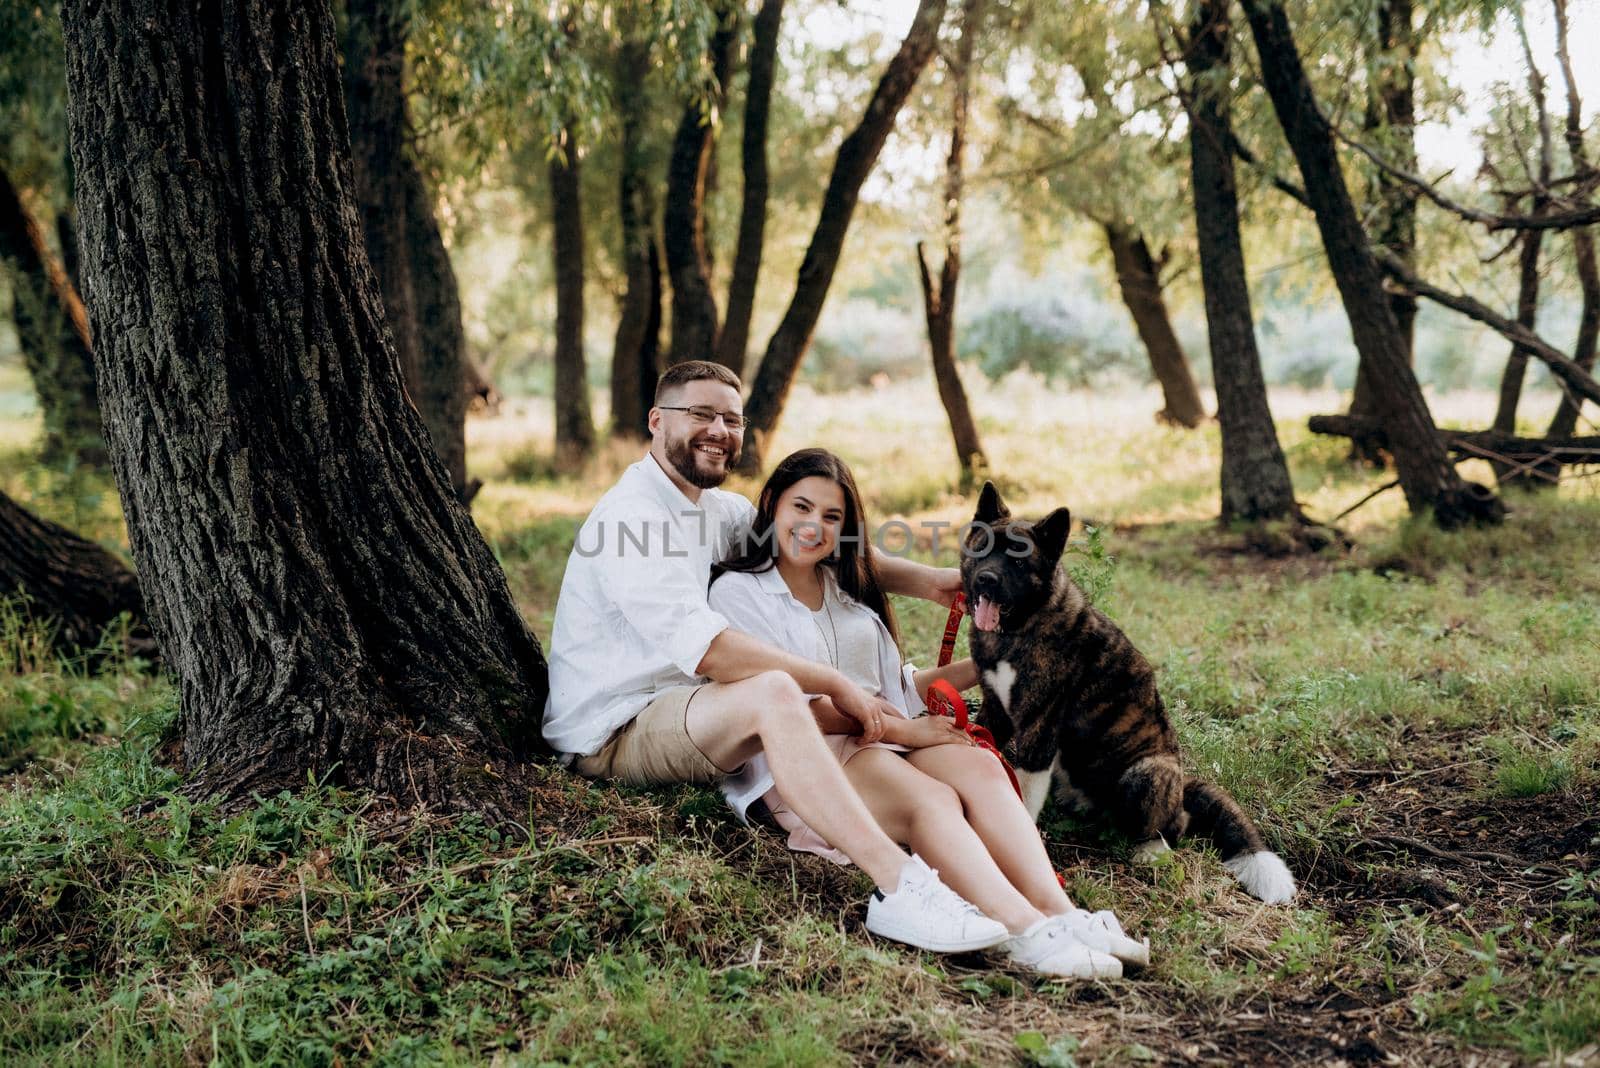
925 732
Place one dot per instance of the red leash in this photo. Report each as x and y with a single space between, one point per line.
944 700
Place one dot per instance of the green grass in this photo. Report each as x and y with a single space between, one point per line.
1415 724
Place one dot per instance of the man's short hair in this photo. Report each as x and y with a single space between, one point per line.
681 374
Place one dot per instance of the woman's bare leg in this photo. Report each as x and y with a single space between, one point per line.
999 819
927 815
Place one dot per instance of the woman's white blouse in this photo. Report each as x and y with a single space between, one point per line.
761 606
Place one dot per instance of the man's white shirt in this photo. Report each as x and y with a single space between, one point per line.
632 617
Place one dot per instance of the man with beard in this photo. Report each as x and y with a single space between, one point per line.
635 641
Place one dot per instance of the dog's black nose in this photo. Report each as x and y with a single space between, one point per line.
985 580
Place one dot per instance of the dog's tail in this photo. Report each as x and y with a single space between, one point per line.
1214 813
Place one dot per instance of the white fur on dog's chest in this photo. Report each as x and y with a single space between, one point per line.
1000 679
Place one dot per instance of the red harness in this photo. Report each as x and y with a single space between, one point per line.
944 700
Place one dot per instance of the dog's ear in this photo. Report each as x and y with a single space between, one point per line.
1050 533
990 506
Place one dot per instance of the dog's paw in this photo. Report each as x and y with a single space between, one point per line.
1263 875
1153 851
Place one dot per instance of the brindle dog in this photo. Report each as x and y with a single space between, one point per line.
1070 699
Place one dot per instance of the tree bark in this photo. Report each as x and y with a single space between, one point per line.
69 585
939 301
734 341
636 355
683 224
402 239
1516 370
574 424
318 588
857 155
1391 106
1139 281
1255 475
53 333
1565 420
1427 477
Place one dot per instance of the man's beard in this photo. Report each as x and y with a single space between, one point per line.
685 460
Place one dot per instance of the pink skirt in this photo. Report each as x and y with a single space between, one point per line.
802 839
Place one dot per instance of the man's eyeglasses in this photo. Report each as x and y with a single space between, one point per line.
705 415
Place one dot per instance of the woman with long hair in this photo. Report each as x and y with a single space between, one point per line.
806 581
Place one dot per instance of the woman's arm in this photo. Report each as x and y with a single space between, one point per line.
962 674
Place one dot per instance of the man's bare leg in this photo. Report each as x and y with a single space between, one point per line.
768 714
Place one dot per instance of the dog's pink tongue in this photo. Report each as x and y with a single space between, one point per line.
986 616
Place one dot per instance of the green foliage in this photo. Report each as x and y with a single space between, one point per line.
1050 338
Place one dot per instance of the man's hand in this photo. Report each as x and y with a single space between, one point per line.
872 713
926 732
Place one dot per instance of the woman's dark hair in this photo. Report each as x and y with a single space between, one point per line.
853 565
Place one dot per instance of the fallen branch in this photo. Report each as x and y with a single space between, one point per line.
1487 444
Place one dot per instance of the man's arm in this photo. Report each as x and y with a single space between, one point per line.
911 579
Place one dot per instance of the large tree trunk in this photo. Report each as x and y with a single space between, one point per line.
1427 477
574 424
1391 108
683 224
316 585
1255 476
1139 280
635 357
1583 352
1516 370
414 276
53 332
734 341
939 301
857 155
71 586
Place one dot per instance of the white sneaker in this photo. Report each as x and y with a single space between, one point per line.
925 913
1103 931
1049 947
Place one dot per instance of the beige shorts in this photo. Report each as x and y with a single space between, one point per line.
655 747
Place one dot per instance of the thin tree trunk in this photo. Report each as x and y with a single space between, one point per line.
1565 420
53 332
1391 106
69 585
1139 281
734 341
1427 477
420 299
440 396
574 424
939 302
636 356
683 224
1505 415
317 586
857 155
1255 476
